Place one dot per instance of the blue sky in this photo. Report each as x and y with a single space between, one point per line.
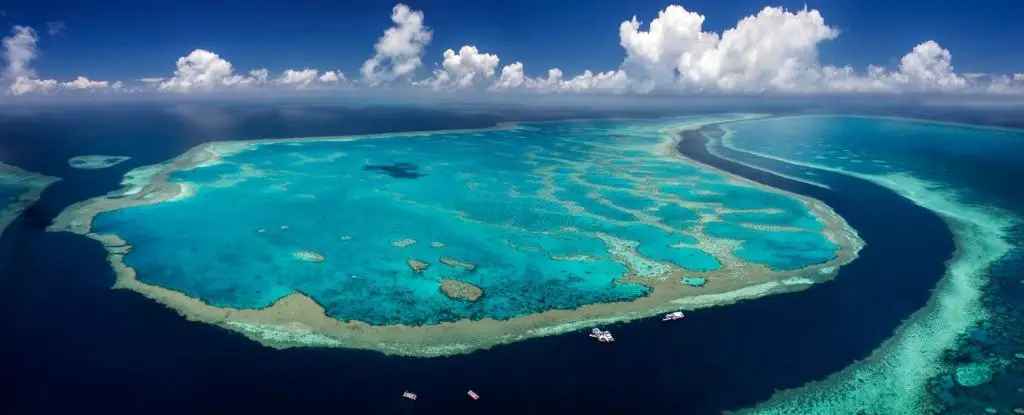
131 39
126 39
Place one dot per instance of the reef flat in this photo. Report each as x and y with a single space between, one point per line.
93 162
436 243
19 189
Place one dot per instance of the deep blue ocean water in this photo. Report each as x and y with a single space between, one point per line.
72 344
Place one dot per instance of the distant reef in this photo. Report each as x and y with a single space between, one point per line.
93 162
19 189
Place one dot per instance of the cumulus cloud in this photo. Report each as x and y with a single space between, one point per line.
24 85
464 69
929 65
512 76
201 69
398 52
769 51
300 79
19 51
1006 84
84 83
330 77
774 50
204 70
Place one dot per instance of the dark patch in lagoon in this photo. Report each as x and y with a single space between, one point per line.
396 170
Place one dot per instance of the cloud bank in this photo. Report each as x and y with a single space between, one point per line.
773 51
19 50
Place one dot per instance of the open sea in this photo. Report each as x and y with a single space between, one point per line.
72 344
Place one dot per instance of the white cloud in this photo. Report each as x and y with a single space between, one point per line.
332 77
84 83
256 77
204 70
1006 84
464 69
55 27
19 51
611 81
774 50
925 68
299 79
309 77
928 66
769 51
512 76
398 52
24 85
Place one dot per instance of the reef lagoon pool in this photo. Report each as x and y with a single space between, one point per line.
445 242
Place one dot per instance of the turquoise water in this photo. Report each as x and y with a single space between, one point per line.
10 193
694 281
550 214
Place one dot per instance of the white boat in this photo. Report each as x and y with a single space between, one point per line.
676 315
409 395
602 336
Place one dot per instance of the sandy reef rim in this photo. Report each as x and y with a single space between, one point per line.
297 320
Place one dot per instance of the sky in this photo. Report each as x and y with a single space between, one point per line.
746 46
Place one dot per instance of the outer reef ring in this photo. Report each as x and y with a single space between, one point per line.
297 320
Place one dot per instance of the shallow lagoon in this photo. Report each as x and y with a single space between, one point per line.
550 215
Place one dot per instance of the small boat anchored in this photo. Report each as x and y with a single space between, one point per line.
473 395
676 315
602 336
409 395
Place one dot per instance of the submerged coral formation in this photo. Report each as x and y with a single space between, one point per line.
417 266
460 290
307 256
452 262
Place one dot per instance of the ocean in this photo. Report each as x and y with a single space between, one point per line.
72 343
